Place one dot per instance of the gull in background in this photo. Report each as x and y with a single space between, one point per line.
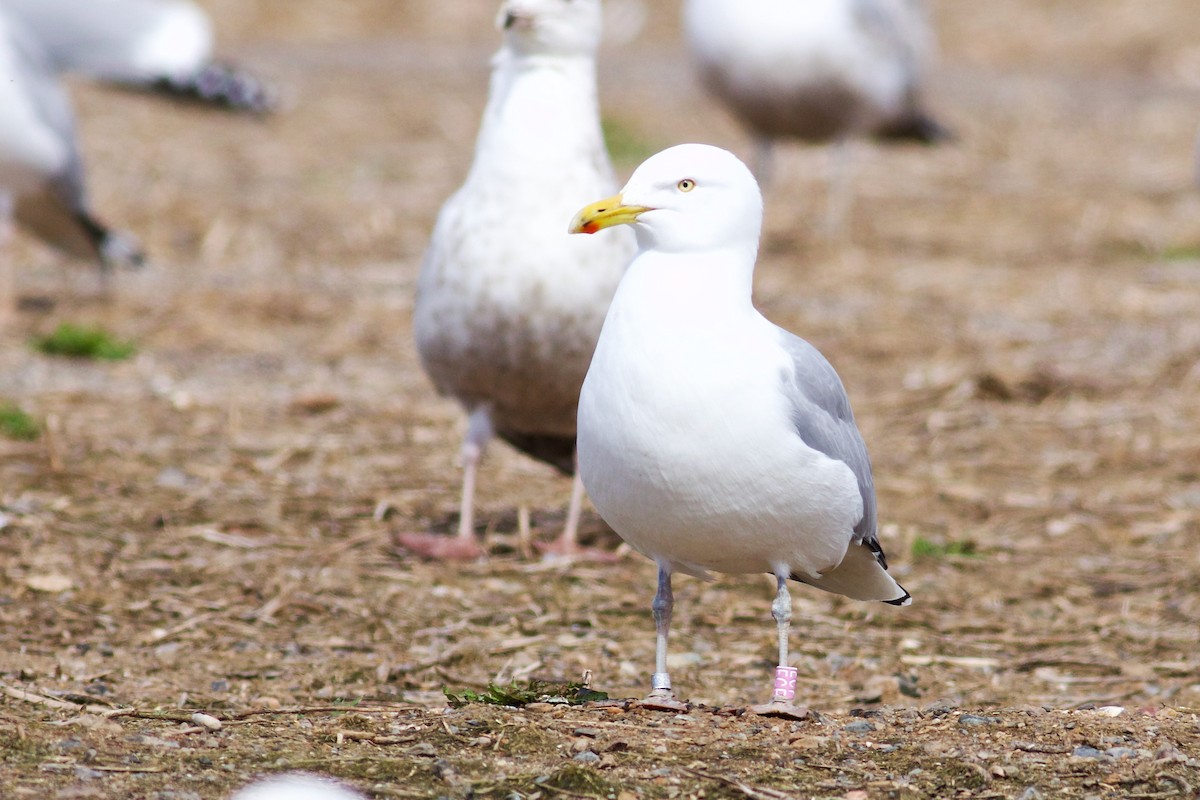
710 438
509 306
818 71
163 46
41 174
297 786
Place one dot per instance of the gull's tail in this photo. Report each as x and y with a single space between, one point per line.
76 232
916 127
557 451
862 575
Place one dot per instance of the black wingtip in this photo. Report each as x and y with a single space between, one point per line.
224 86
920 128
902 601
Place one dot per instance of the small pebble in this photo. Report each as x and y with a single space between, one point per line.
1083 751
1111 711
975 719
206 721
1121 752
859 726
587 757
422 749
591 733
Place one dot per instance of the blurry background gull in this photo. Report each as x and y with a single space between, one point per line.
818 71
296 786
509 305
41 172
163 46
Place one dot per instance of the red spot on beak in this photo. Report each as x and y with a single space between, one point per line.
590 227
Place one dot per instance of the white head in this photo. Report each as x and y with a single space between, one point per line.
687 198
551 27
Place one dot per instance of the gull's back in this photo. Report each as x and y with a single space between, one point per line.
119 40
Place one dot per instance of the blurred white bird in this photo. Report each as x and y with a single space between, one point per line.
818 71
508 305
41 174
158 45
710 438
297 786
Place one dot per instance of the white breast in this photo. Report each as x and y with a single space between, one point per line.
685 442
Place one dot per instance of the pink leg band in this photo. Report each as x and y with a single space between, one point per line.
785 683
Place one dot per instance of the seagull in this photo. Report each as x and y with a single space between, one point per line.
297 786
819 71
41 173
163 46
710 438
508 306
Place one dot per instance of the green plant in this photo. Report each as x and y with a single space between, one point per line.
78 341
533 691
15 423
924 548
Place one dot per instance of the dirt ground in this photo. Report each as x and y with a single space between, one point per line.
208 526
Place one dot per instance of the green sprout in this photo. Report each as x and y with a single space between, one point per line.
77 341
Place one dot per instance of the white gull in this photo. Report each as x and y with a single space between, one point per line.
710 438
508 305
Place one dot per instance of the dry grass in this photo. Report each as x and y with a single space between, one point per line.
207 526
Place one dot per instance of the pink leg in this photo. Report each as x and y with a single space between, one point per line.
462 547
8 281
479 433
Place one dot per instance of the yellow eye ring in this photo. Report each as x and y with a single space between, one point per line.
686 185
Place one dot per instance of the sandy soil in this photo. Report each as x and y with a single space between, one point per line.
208 526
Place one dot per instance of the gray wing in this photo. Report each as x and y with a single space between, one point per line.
823 419
163 46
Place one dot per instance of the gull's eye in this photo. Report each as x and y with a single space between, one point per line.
686 185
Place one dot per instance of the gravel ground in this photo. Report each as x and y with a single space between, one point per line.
208 526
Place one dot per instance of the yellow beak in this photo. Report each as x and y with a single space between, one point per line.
605 214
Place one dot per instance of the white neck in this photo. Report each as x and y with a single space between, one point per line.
697 286
540 106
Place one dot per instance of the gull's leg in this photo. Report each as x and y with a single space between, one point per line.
661 696
764 160
781 610
785 676
568 542
462 547
841 188
479 433
8 281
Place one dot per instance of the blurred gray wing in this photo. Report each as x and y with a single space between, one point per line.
823 420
